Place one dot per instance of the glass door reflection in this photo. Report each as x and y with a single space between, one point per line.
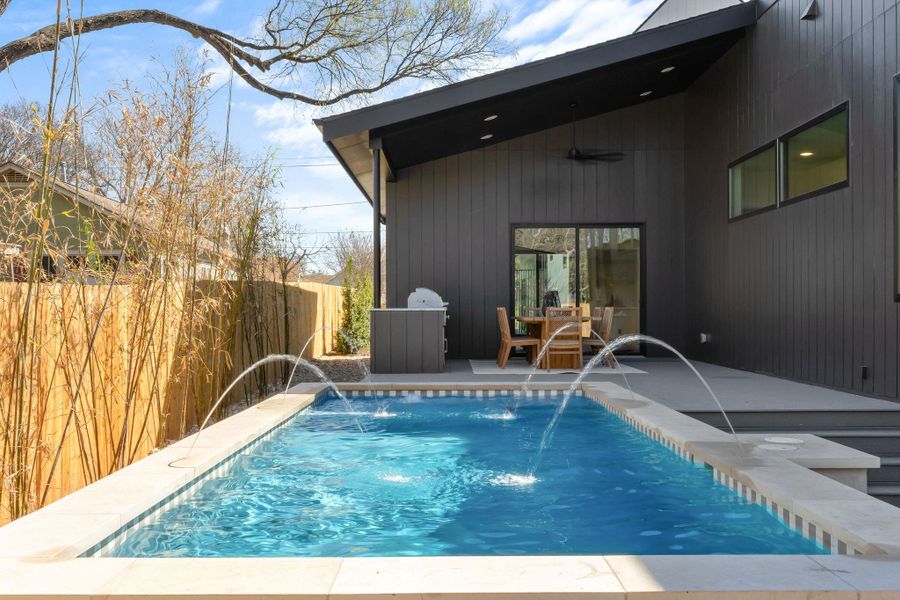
544 270
610 275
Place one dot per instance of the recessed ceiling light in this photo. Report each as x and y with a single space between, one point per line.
487 136
667 69
806 154
647 93
490 117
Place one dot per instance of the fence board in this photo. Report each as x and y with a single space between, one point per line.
161 355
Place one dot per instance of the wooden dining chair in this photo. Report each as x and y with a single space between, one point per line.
601 321
568 341
508 341
596 326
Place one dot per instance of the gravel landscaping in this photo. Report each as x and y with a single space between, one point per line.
338 367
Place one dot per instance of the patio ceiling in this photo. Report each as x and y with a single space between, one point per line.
532 97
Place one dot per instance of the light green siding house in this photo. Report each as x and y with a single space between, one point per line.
83 227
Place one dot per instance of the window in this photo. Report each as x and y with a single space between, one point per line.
49 266
591 266
610 275
810 160
753 183
544 269
815 156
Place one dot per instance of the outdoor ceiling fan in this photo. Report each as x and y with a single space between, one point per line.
577 154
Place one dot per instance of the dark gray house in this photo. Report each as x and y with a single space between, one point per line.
729 170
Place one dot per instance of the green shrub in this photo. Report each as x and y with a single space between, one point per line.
357 300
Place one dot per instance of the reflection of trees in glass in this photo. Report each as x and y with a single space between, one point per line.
551 240
544 262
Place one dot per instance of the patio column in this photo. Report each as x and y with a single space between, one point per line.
376 222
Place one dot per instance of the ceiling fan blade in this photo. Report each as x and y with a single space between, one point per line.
604 156
578 155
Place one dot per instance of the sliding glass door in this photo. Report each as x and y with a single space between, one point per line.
544 269
610 264
587 266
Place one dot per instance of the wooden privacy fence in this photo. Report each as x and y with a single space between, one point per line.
73 411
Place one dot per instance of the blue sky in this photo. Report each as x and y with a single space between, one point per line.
261 124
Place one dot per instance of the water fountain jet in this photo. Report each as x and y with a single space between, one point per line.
547 436
537 362
261 362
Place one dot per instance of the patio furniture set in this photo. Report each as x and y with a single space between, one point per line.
562 331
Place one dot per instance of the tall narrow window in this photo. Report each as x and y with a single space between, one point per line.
752 183
815 156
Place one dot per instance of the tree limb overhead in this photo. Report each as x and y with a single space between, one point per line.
321 51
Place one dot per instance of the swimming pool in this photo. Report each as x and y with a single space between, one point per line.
442 476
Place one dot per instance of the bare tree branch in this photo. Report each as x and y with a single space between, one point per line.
325 51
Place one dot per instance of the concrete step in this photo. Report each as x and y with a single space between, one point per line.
886 493
881 442
875 432
889 473
801 420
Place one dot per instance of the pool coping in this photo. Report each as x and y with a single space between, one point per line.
39 552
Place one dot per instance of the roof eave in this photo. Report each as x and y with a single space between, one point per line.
537 73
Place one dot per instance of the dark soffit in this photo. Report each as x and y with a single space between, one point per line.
541 107
536 95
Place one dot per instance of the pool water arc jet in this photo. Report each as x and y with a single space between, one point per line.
261 362
296 360
547 436
535 366
321 375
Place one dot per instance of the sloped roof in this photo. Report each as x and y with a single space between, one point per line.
532 97
82 195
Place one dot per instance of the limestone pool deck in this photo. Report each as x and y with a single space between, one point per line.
40 553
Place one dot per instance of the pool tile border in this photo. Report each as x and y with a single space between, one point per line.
176 498
833 537
104 547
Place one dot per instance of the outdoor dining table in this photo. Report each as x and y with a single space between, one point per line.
537 327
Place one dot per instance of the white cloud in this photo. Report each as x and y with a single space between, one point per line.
583 23
290 126
553 15
207 7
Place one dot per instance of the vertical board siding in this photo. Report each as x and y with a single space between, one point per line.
805 291
450 219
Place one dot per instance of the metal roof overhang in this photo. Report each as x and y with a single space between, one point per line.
531 97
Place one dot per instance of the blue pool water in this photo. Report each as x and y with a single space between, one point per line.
434 479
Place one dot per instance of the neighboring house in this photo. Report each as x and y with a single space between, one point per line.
85 226
316 278
337 279
732 180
